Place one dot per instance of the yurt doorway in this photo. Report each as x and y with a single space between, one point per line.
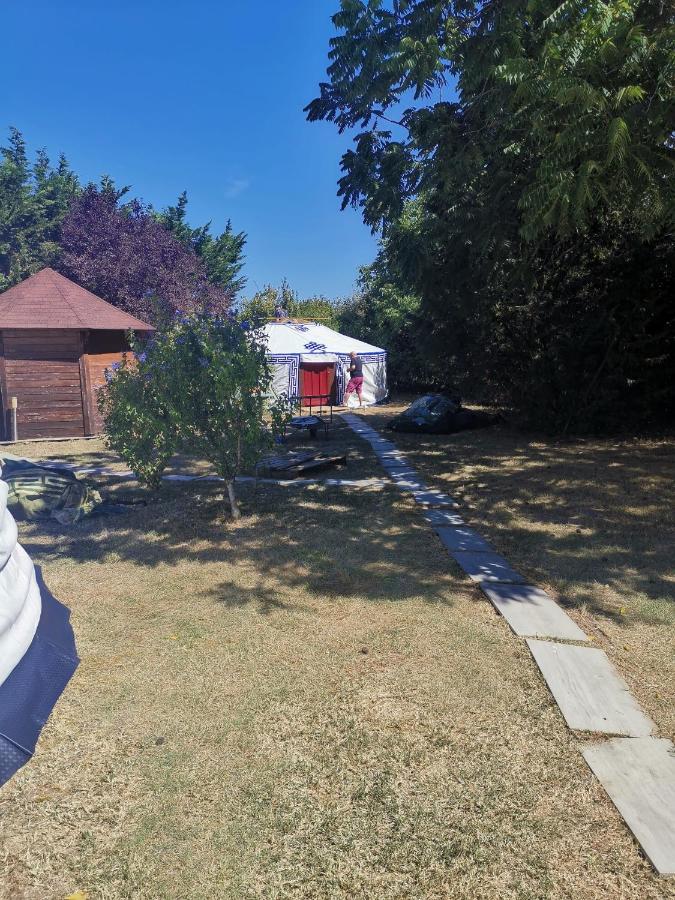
317 381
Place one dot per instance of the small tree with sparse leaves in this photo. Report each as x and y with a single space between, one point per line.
137 421
206 379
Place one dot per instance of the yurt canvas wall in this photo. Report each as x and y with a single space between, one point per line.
296 346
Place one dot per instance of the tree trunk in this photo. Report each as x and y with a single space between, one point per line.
236 512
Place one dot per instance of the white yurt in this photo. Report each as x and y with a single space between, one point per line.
311 360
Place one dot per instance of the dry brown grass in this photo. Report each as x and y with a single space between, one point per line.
592 520
307 703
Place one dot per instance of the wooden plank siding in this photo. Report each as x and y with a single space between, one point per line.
56 341
56 374
5 427
42 371
95 365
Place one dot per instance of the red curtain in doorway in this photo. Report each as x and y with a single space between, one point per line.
317 380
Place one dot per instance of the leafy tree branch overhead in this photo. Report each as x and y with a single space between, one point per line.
517 158
572 102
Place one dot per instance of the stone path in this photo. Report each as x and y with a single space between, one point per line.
637 771
639 776
532 612
591 695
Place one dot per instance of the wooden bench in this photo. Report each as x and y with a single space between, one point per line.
295 464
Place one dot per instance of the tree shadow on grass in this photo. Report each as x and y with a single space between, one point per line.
330 542
594 516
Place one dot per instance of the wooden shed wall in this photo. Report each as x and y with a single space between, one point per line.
95 366
42 370
55 376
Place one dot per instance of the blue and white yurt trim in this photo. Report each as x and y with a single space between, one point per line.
375 374
291 363
37 649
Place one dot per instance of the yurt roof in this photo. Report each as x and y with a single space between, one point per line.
311 340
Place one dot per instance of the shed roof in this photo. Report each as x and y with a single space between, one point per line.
49 300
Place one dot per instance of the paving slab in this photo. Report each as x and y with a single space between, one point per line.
462 539
402 471
358 426
381 452
434 499
399 470
591 694
485 566
532 612
639 776
409 484
442 517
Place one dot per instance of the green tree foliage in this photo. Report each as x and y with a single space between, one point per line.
138 425
34 198
262 306
522 212
383 312
565 106
222 255
200 386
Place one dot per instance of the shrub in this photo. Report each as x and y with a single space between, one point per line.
137 423
201 387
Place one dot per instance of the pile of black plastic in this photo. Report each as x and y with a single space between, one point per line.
438 414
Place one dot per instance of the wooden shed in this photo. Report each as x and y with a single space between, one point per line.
56 341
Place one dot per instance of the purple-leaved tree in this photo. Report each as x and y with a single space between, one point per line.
123 254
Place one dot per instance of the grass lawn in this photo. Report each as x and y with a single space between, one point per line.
591 520
310 702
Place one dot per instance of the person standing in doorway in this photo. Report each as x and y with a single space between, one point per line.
355 378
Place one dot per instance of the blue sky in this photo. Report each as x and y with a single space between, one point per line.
204 96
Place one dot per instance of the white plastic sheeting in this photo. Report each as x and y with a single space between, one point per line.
20 603
289 344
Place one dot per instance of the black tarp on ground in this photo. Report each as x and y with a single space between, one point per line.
438 414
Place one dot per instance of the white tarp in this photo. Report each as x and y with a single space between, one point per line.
289 344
